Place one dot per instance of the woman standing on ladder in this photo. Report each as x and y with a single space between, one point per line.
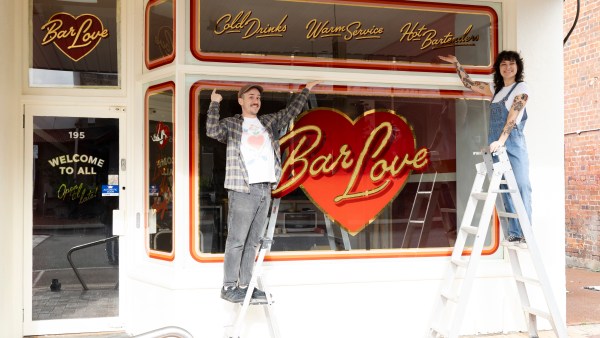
508 115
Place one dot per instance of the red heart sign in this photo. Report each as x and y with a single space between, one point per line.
350 169
76 37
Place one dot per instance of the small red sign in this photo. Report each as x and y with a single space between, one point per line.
76 37
162 135
350 169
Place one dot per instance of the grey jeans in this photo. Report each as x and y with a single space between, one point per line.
246 220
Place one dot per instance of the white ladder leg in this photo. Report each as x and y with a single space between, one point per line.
270 313
331 237
446 298
553 314
473 260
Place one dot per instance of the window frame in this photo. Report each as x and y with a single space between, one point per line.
151 90
167 59
194 220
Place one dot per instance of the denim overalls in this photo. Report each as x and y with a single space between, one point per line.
516 149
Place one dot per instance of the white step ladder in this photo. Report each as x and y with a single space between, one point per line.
451 305
430 192
234 330
429 196
332 238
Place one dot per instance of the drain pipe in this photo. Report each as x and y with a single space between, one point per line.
574 23
165 332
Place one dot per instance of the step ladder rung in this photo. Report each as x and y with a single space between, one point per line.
265 240
424 192
450 297
414 221
440 332
462 262
505 191
479 195
527 280
449 210
514 247
537 312
507 214
469 229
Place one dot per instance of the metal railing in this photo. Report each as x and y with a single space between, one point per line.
83 246
169 331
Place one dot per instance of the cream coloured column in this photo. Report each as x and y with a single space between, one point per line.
11 173
539 38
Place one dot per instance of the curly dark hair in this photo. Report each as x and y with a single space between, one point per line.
507 55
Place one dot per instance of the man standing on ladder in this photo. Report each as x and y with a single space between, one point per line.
252 170
507 120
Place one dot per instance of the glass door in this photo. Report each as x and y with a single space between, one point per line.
72 242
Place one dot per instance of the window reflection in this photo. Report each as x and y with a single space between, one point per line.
160 133
160 38
449 126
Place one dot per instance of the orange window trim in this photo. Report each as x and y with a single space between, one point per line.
170 256
306 255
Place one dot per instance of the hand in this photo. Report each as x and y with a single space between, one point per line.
448 58
216 97
495 146
311 84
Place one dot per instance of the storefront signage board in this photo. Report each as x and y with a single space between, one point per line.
401 35
74 36
74 43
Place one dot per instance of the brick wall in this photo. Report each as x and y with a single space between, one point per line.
582 134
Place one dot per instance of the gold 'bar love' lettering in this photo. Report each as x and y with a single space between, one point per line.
252 27
350 168
76 37
82 35
381 171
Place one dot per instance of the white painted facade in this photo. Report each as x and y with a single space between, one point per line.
318 298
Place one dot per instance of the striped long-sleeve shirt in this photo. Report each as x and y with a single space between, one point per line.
229 131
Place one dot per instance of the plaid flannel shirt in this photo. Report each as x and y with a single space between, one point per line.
229 131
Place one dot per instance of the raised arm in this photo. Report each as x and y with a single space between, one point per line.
511 121
476 86
214 128
285 116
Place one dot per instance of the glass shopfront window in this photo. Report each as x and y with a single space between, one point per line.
402 35
160 33
74 44
76 188
160 162
359 157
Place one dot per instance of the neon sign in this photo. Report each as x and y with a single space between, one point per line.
76 37
351 169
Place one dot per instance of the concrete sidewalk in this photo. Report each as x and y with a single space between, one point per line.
583 311
583 308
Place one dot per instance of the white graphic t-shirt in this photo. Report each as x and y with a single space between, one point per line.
257 152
